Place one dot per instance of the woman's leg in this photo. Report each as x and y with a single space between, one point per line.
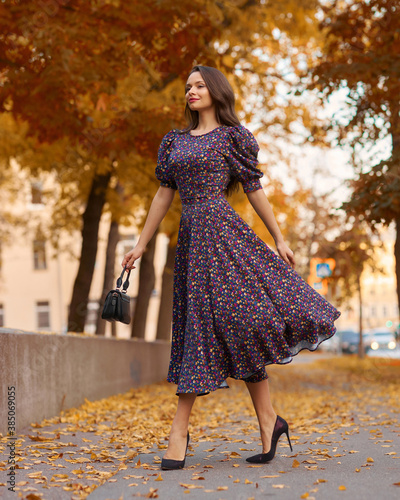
259 392
178 436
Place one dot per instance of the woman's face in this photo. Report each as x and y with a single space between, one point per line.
197 95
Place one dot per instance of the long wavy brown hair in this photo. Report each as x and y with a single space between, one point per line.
223 98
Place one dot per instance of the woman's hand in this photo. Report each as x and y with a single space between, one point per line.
285 252
131 257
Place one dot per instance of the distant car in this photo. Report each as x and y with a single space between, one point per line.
349 340
381 339
332 344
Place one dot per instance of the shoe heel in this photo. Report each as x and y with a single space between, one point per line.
287 435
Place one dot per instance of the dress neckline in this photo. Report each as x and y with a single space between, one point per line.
206 133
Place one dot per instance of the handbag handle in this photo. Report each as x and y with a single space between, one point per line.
126 282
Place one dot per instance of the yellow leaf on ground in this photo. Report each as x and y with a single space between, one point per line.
236 481
35 475
370 460
342 488
305 495
246 481
222 488
295 464
159 478
279 486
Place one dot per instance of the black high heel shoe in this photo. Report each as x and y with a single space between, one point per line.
281 427
168 464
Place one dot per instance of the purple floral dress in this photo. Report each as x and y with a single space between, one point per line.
237 305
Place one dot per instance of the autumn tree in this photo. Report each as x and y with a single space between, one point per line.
361 59
90 97
353 250
107 80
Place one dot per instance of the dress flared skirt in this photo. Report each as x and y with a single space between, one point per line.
237 305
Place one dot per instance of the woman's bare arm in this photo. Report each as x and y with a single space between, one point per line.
262 207
158 209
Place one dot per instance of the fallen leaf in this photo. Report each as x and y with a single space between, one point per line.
222 488
159 478
246 481
295 464
236 481
370 460
342 488
280 486
305 495
34 475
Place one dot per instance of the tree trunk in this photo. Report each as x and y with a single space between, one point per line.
90 229
147 280
395 133
361 351
397 261
165 311
109 281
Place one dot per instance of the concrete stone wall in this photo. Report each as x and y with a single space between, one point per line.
53 372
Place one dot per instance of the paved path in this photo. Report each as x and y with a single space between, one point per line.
333 466
346 447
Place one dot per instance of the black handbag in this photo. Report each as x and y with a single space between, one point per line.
117 306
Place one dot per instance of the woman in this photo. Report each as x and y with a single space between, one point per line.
237 305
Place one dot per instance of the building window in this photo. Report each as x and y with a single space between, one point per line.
39 254
373 311
37 193
43 315
1 315
91 316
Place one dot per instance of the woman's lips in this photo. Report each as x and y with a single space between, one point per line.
193 100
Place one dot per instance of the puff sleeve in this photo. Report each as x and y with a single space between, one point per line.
164 171
242 158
